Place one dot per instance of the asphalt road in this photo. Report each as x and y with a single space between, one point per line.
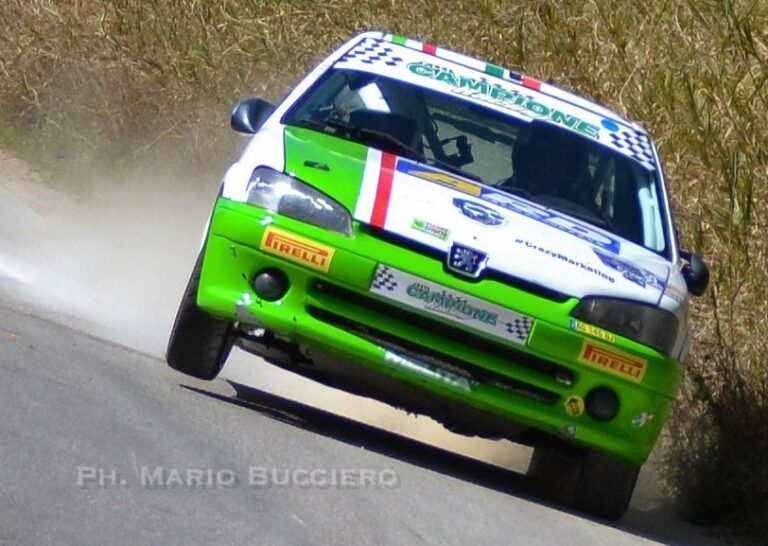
101 443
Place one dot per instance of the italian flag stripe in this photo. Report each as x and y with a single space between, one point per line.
488 68
383 190
494 70
532 83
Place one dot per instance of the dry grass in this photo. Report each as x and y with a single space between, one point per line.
121 82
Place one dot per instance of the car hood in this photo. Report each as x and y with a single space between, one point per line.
438 209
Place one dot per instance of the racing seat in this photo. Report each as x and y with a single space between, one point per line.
551 164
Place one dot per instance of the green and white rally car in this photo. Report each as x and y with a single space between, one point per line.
461 241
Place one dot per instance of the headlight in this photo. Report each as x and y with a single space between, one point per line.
646 324
286 195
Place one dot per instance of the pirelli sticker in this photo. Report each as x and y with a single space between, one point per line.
613 361
297 249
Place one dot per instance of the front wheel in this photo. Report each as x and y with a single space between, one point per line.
589 481
605 485
199 344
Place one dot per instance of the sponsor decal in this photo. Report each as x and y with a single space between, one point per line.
450 304
612 361
594 331
509 99
372 51
439 177
440 301
566 259
633 144
638 275
641 420
297 249
377 187
479 212
430 229
574 405
466 261
435 372
551 218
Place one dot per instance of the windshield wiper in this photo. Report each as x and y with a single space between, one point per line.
367 136
589 218
570 208
323 124
403 149
394 144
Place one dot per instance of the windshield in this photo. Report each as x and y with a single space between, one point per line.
536 160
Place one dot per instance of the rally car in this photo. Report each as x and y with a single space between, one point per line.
461 241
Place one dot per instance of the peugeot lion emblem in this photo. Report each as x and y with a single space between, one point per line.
466 261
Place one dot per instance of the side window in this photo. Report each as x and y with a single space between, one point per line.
321 101
650 209
368 97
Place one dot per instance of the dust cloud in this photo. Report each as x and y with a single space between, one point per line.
112 259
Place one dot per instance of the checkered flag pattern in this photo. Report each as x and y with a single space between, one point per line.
520 328
372 51
634 144
384 279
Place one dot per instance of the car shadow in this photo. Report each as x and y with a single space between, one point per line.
382 441
649 524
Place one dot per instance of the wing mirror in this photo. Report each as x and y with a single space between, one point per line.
250 114
695 273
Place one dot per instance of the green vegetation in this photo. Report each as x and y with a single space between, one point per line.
121 82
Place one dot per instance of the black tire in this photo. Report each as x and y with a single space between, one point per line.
554 470
604 486
199 344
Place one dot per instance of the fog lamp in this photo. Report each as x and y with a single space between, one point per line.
602 404
270 284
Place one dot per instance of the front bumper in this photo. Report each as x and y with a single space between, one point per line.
330 306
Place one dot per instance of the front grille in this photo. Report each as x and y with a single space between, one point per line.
550 371
419 352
